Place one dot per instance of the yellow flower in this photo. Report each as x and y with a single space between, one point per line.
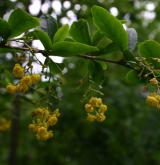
42 130
45 136
11 88
91 117
95 106
35 78
157 97
92 101
43 119
103 108
52 120
100 117
89 108
18 71
4 124
152 101
40 112
98 102
26 80
22 88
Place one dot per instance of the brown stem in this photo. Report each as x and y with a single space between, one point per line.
14 132
95 58
22 49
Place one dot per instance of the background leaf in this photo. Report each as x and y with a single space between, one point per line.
132 77
149 48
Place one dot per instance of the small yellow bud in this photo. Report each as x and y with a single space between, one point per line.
11 88
92 101
102 108
41 130
91 117
52 120
100 117
4 124
152 101
98 102
89 108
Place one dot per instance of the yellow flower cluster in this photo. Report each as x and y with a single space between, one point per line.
95 110
4 124
24 83
153 100
43 119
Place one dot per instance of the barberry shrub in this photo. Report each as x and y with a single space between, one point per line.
89 43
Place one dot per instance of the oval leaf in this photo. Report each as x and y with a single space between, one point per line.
20 22
65 48
111 26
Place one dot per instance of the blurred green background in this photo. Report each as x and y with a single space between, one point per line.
130 134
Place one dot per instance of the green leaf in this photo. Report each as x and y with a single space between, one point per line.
132 77
61 34
111 26
5 29
65 48
149 48
80 31
49 25
43 37
20 22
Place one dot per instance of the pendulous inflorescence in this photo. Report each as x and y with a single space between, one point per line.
43 120
95 110
25 80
